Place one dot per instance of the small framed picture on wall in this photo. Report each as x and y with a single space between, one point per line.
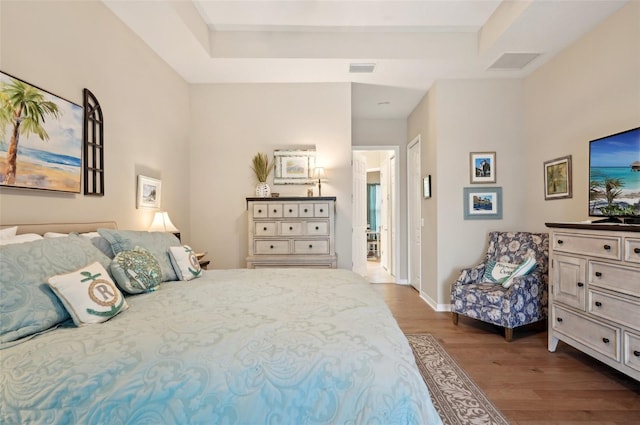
426 187
482 167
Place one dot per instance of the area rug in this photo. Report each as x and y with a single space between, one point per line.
455 396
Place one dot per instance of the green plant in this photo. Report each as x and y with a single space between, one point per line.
262 167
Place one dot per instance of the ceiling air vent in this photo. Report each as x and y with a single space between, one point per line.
361 67
514 60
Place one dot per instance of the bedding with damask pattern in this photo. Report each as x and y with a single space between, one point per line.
268 346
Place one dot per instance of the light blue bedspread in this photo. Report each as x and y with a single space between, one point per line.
269 346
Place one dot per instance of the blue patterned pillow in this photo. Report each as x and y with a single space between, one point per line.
136 271
157 243
27 303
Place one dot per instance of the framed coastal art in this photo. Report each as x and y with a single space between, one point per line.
294 166
40 138
482 167
482 203
149 192
557 178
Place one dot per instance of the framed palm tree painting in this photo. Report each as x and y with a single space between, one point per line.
40 138
557 178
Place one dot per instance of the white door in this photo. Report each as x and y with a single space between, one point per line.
359 211
393 239
384 211
414 212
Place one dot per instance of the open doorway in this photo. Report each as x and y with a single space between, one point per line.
377 205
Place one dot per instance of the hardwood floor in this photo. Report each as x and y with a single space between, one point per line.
523 379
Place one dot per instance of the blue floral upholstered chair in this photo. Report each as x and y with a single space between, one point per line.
507 302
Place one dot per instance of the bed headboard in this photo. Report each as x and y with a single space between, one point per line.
42 228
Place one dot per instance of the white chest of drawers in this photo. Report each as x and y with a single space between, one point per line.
291 232
594 296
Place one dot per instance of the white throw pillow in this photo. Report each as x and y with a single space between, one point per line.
88 294
8 233
523 269
185 262
55 235
497 271
27 237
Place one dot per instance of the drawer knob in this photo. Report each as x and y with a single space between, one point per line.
310 246
290 227
636 250
290 210
607 247
636 353
275 210
271 246
321 210
560 241
264 228
317 228
605 340
259 211
598 304
580 284
559 319
598 274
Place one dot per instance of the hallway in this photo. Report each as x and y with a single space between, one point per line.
377 274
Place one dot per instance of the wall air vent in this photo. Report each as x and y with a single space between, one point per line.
514 60
361 67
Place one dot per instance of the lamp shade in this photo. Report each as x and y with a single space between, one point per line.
318 173
162 223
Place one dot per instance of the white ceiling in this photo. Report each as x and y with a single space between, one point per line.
411 43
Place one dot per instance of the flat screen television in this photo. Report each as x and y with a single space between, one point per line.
614 177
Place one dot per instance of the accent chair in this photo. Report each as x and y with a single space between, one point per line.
507 303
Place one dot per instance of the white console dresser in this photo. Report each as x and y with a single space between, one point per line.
292 232
594 294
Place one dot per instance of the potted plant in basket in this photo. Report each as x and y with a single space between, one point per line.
262 168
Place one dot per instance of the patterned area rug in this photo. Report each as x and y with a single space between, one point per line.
456 397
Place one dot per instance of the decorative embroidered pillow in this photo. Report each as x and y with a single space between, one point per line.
523 269
136 271
497 271
88 294
157 243
185 262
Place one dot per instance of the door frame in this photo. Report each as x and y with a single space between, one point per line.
395 222
416 141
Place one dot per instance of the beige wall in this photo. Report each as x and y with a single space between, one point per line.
230 123
145 105
458 117
590 90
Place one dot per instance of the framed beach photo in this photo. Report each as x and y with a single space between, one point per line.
149 192
482 203
482 167
294 166
40 145
557 178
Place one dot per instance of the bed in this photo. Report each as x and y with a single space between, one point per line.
263 346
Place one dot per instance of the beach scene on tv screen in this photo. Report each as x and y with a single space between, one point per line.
614 175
